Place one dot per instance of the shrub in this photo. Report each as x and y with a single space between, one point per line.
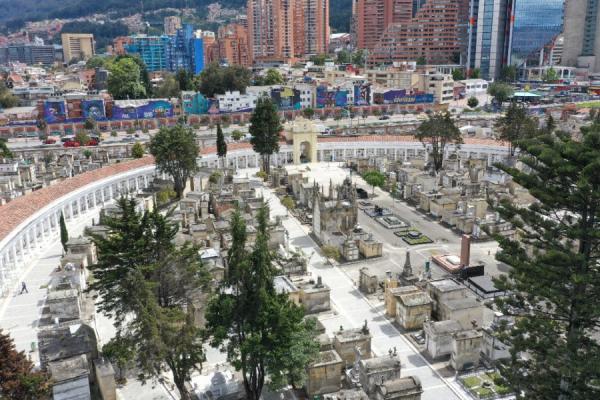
262 174
237 134
331 252
113 133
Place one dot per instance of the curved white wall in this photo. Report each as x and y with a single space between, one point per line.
23 244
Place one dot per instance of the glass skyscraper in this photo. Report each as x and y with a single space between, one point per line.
535 24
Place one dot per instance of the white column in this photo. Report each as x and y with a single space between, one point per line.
71 216
13 253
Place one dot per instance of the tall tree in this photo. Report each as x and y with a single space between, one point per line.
256 325
175 151
215 79
137 150
125 79
148 286
273 77
7 99
64 233
4 150
18 380
221 145
438 131
374 178
500 91
184 78
514 126
168 88
554 282
265 127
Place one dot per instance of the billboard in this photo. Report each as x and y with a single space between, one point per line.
362 95
93 109
402 97
286 98
55 111
151 109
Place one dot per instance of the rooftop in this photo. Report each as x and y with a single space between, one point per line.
380 363
415 299
17 211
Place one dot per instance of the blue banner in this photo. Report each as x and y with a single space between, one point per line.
55 111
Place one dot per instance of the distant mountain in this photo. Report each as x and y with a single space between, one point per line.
16 12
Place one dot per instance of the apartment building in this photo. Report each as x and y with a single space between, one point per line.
78 46
285 30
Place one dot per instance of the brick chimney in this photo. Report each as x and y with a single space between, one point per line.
465 250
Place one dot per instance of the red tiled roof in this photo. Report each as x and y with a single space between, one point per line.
17 211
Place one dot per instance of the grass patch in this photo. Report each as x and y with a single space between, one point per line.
420 240
471 381
483 393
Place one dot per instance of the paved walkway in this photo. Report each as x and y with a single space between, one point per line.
353 309
20 313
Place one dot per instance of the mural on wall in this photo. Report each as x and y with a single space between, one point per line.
362 95
195 103
331 98
402 97
93 109
151 109
286 98
55 111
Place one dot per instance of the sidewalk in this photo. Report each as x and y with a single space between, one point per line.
353 309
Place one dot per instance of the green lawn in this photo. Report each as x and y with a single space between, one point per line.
483 386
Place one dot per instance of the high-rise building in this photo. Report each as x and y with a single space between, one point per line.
535 24
581 47
284 30
373 17
31 54
171 24
488 36
184 50
233 45
430 33
77 46
153 50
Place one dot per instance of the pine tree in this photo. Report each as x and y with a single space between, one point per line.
64 234
265 127
221 145
554 282
258 326
147 284
18 380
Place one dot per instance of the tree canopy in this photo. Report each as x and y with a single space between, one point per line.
175 151
515 125
500 91
374 178
137 150
262 331
4 150
271 77
18 380
221 144
554 280
265 127
7 99
147 285
215 79
438 131
125 79
168 88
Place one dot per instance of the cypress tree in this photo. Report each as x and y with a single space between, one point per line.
265 127
221 145
64 234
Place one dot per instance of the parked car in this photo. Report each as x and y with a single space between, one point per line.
92 142
50 141
384 117
71 143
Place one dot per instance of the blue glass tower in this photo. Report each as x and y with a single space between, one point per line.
535 24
